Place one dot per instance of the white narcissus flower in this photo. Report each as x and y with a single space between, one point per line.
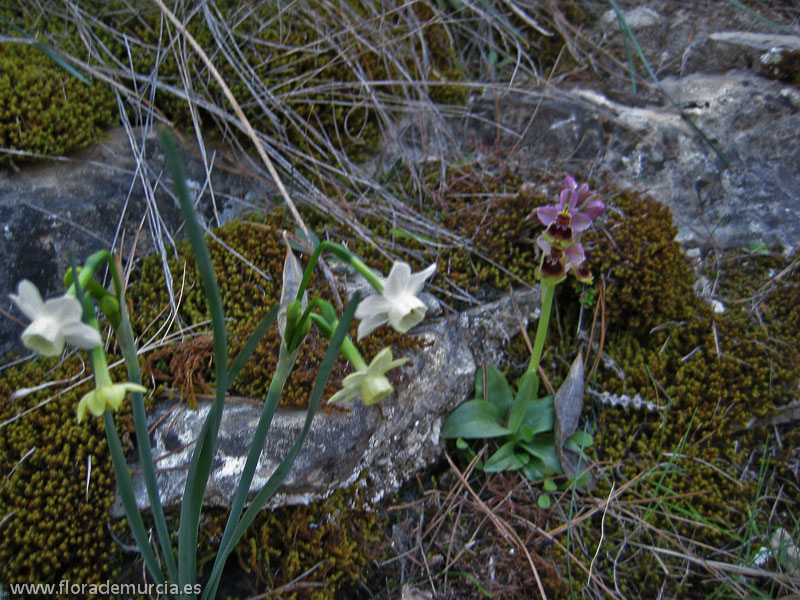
370 383
397 304
53 322
106 397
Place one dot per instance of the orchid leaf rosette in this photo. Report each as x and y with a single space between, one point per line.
523 422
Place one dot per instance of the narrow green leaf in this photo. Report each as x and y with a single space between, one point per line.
50 53
627 31
475 419
203 454
403 234
393 172
526 392
275 480
128 497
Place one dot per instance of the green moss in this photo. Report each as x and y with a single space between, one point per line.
324 547
53 502
45 110
246 297
717 374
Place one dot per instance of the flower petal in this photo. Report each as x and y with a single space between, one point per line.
65 309
95 403
82 336
374 389
407 314
398 280
580 222
28 299
575 254
417 280
44 336
547 214
81 409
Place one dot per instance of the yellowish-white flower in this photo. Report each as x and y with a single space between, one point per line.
398 304
53 322
106 397
369 383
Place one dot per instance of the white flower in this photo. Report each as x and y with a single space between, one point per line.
397 304
370 384
53 322
106 397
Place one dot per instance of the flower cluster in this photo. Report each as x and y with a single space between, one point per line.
564 222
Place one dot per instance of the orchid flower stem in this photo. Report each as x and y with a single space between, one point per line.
548 291
346 256
349 349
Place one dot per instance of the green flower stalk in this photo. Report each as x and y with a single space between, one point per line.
561 249
369 382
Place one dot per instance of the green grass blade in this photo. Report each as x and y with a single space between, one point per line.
282 370
50 53
200 466
753 13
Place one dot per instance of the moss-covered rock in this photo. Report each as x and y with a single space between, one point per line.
44 109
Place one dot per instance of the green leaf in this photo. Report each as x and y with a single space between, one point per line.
50 53
499 391
475 419
544 501
528 386
252 343
579 440
535 469
417 237
549 485
280 473
203 454
544 448
505 459
539 415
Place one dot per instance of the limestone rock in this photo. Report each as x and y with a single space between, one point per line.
341 446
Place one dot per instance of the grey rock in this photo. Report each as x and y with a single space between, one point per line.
341 446
93 201
752 121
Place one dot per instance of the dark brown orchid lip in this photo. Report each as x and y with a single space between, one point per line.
555 231
552 267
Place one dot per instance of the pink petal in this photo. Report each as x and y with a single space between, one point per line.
575 254
580 222
547 214
594 209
